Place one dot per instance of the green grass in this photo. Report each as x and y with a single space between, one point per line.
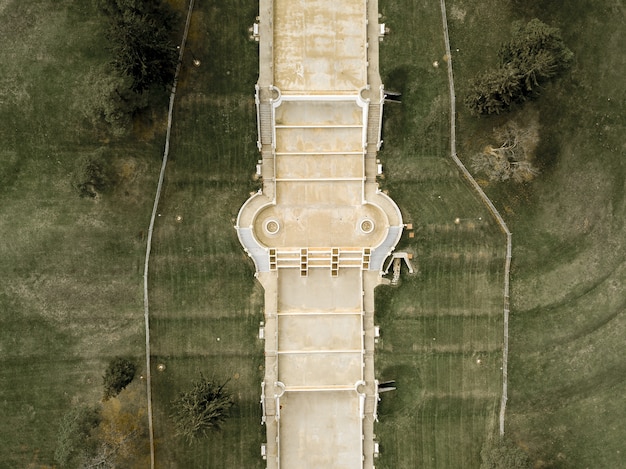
441 329
206 306
567 322
71 295
71 270
70 275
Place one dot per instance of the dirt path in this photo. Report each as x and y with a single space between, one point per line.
492 209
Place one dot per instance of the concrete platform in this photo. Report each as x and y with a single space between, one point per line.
320 430
319 45
319 291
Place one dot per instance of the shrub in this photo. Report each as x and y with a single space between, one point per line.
502 453
119 374
92 175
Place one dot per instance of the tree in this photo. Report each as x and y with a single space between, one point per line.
494 91
141 36
76 440
121 436
513 157
201 409
536 50
108 99
534 54
107 436
501 453
119 374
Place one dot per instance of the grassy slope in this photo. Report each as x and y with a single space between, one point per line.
567 326
206 306
439 323
70 269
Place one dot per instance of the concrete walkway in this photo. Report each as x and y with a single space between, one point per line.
319 230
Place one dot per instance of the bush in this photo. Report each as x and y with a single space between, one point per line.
502 453
119 374
201 409
93 175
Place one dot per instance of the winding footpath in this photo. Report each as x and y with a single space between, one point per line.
157 197
492 209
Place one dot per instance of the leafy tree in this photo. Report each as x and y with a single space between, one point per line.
121 436
144 52
494 91
201 409
119 374
141 36
534 54
513 157
142 64
536 50
76 439
502 453
109 99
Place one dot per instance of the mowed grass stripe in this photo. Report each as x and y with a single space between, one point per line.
441 329
566 374
206 306
441 433
450 334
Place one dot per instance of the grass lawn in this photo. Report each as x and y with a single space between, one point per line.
441 329
206 305
567 367
70 269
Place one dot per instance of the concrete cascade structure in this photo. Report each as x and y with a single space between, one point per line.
319 230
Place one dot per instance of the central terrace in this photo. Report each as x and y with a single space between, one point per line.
319 230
